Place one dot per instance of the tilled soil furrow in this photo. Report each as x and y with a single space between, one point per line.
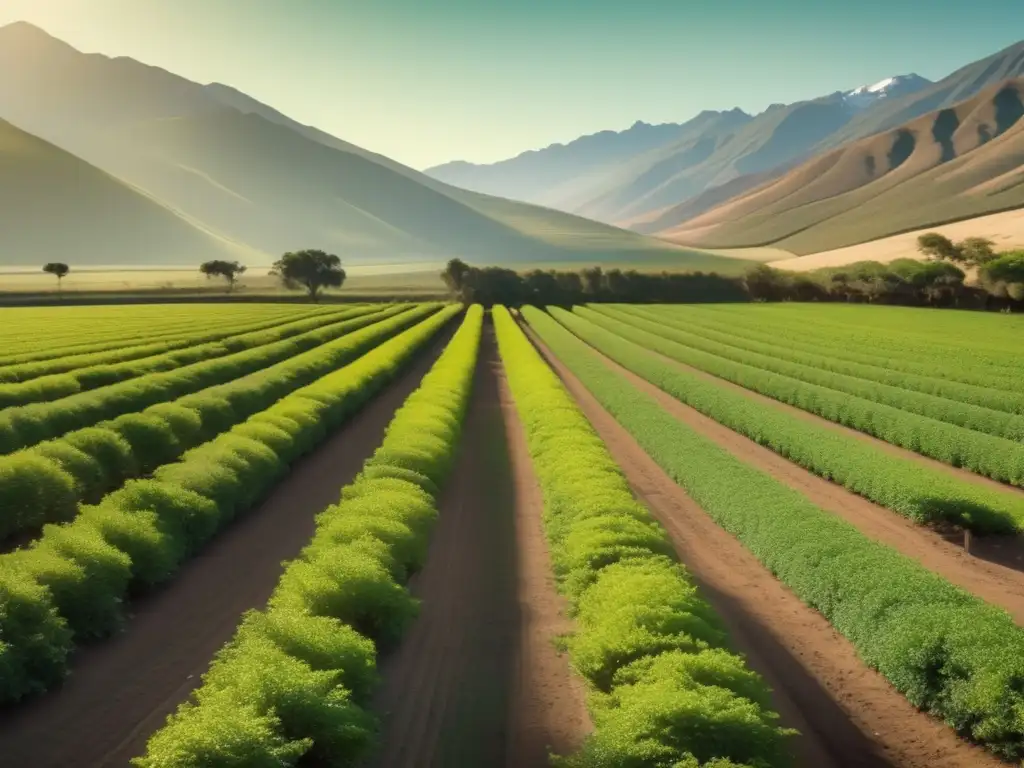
452 692
848 715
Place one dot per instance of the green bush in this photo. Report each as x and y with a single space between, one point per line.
635 608
34 640
34 489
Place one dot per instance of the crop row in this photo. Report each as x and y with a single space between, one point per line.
665 689
823 358
973 417
94 376
903 485
295 683
24 426
69 586
195 334
81 336
963 359
46 482
949 653
996 457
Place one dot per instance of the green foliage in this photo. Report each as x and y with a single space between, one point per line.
99 458
33 489
87 565
833 397
229 270
633 604
904 486
951 654
296 681
310 269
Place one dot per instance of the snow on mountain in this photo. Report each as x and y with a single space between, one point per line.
890 87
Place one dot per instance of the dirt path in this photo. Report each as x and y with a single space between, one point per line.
476 682
122 690
999 584
848 715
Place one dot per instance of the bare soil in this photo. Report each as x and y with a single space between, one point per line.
477 681
122 690
848 715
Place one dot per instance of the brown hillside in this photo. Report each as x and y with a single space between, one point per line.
951 164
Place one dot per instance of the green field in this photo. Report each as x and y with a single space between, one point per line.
150 454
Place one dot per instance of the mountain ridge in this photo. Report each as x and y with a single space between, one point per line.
179 142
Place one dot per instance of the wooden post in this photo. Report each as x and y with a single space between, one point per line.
967 540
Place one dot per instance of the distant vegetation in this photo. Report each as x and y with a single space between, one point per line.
229 270
497 285
57 269
939 281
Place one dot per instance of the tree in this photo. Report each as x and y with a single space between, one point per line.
58 270
310 269
1007 271
454 276
229 270
976 251
937 246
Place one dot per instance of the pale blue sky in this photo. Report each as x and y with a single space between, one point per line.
426 81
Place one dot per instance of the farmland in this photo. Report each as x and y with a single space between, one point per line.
411 534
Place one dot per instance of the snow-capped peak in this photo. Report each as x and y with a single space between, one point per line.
890 86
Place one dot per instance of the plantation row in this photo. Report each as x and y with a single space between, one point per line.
24 426
79 331
832 355
46 482
905 486
949 653
816 370
996 457
296 681
22 373
666 690
71 583
89 375
907 347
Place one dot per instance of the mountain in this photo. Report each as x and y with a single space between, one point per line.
551 175
249 174
661 187
890 88
55 207
628 178
955 163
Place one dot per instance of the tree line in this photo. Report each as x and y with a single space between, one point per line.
499 285
940 280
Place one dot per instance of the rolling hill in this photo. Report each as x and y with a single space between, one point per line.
248 173
56 207
957 162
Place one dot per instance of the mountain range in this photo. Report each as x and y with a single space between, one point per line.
702 167
110 161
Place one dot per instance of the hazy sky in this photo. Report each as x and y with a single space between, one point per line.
426 81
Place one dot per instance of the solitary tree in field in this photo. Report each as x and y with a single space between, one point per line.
229 270
58 270
310 269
